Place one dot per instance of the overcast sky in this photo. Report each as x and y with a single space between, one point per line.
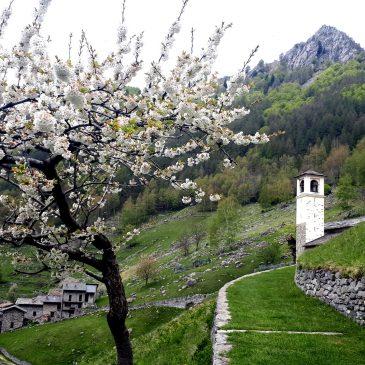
276 25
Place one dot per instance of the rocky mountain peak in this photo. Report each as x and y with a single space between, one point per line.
327 44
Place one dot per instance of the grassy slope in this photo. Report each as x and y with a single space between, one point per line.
271 301
161 233
79 339
345 253
184 340
165 231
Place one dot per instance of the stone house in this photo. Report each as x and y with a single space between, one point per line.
11 318
76 296
33 308
64 303
51 307
90 295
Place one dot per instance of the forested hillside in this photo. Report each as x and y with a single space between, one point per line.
322 125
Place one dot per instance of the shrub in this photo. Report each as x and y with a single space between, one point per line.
271 254
327 189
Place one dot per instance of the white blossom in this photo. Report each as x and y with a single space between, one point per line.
214 197
186 199
44 122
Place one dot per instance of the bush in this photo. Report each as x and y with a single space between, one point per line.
271 254
345 191
327 189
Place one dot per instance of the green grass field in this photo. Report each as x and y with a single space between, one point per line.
344 253
271 301
184 340
79 339
279 349
184 337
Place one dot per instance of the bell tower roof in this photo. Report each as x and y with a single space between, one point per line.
310 172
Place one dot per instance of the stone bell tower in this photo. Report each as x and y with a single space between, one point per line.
310 208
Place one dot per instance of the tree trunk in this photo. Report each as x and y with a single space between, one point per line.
118 308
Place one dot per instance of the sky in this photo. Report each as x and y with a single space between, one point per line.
274 25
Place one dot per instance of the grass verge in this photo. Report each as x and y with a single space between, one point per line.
344 253
271 301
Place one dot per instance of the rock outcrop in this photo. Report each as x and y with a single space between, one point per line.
327 44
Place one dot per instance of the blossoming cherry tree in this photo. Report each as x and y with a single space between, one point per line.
67 125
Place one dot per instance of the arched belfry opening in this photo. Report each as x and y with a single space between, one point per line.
301 186
314 186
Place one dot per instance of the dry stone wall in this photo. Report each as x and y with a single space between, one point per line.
347 295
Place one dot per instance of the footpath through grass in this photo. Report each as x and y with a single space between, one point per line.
271 301
344 253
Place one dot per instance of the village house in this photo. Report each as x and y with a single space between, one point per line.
11 317
33 308
76 296
52 305
64 303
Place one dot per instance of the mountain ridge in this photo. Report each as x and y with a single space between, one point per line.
327 44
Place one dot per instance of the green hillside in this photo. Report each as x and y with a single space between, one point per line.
80 339
183 335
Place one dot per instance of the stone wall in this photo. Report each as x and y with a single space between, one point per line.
347 295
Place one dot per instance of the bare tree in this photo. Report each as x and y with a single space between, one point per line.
184 244
198 233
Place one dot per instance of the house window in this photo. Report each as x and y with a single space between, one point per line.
11 324
69 298
314 186
52 314
80 298
34 314
302 186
